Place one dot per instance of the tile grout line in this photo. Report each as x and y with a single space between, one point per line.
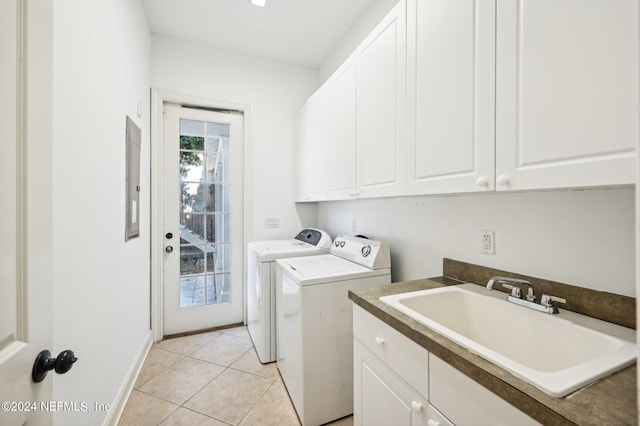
182 405
225 368
246 372
270 378
257 401
206 415
182 356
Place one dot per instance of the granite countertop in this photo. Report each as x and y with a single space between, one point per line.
611 400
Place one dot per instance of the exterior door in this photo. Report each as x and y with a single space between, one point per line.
202 218
25 310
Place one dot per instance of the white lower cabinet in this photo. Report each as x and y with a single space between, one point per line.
382 397
468 403
397 382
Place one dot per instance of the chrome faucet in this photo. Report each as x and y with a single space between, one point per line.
546 302
515 291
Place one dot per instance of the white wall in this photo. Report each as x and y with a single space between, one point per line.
101 284
275 91
584 238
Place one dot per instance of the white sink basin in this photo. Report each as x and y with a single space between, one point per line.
556 353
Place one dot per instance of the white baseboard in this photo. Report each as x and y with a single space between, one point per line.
119 402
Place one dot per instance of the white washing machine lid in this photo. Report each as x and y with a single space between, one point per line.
325 268
270 250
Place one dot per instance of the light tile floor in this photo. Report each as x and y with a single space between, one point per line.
211 378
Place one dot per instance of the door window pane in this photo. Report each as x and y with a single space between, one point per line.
220 194
204 213
191 260
216 197
192 196
220 223
219 288
191 165
223 258
192 229
217 167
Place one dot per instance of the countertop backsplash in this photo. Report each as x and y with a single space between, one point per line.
606 306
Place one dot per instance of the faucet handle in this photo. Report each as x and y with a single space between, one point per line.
515 291
546 300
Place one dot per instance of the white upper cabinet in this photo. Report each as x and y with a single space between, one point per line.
310 155
326 140
301 155
451 96
339 141
567 93
381 107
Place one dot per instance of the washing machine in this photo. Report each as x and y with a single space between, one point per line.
314 322
261 299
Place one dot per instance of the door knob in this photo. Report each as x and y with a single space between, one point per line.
168 249
44 362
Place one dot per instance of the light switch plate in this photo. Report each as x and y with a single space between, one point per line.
272 222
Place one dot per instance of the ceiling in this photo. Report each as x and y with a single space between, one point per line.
302 32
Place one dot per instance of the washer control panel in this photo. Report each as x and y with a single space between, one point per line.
315 237
370 253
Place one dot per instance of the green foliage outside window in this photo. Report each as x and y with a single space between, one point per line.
190 158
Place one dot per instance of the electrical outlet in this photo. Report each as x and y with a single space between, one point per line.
487 245
353 226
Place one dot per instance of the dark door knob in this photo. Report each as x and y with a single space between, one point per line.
44 362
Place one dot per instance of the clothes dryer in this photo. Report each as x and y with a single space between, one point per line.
314 322
261 299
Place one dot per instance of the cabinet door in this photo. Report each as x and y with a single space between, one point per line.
567 93
311 155
380 116
302 154
340 132
402 355
451 96
381 397
465 402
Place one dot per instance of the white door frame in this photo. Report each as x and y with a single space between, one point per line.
158 98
